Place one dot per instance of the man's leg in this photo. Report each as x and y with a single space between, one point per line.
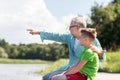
49 75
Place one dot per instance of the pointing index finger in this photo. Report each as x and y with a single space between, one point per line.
29 29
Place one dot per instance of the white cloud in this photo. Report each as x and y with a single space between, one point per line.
18 15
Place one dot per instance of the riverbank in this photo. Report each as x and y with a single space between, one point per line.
23 61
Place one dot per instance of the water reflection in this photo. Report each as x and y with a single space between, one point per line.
20 71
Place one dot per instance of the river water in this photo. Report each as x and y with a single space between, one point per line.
20 71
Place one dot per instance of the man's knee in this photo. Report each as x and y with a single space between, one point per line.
50 75
45 77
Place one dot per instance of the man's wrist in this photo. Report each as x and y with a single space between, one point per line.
103 51
38 32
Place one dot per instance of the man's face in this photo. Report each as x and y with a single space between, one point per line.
74 31
82 40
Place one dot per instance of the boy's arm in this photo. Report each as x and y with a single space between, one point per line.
70 68
76 68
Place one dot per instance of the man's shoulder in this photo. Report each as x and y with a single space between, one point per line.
96 40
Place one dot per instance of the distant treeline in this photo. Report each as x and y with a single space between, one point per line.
53 51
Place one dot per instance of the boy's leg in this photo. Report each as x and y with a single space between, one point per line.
49 75
59 77
76 76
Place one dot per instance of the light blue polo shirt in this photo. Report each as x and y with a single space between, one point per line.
69 40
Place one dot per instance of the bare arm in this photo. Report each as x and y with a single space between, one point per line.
33 32
76 68
98 51
68 70
72 70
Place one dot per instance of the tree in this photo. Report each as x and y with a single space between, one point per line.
115 1
3 54
107 22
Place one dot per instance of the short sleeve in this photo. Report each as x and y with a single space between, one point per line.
87 55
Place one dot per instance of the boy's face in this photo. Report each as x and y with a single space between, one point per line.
85 41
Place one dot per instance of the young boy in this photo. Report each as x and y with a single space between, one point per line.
87 66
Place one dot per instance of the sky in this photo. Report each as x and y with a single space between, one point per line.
44 15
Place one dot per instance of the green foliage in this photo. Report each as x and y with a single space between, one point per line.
3 54
52 52
115 1
107 22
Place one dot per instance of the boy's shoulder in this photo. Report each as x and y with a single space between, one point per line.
88 51
88 54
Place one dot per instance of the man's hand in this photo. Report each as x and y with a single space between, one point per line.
97 50
33 32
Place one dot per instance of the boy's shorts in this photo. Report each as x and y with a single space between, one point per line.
76 76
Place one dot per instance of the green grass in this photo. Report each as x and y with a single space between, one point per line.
22 61
112 63
54 66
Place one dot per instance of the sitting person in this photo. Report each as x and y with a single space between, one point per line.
87 66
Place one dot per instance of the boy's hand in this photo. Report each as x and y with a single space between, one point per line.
33 32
